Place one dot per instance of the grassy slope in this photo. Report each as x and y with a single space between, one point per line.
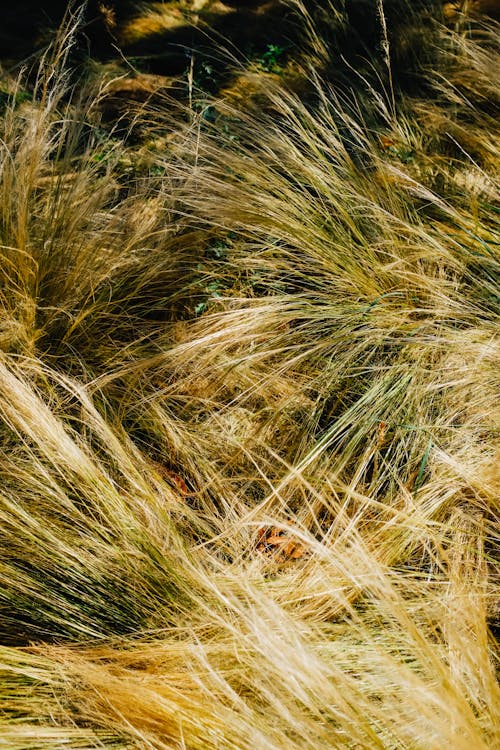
249 400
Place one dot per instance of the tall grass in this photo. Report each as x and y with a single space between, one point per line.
250 425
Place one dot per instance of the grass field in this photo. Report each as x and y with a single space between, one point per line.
249 393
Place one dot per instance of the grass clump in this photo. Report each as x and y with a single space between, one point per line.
249 431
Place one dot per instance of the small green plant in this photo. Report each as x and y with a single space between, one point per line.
271 61
8 98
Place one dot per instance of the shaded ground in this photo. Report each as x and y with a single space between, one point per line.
160 37
208 42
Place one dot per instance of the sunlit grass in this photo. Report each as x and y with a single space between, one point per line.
249 432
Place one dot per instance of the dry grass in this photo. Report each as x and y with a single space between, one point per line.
249 437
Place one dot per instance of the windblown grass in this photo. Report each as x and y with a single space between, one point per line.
250 419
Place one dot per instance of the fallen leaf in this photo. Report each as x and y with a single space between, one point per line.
275 541
172 476
178 481
386 141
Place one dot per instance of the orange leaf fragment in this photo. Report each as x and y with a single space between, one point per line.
291 549
298 551
386 142
178 481
172 476
382 427
275 541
